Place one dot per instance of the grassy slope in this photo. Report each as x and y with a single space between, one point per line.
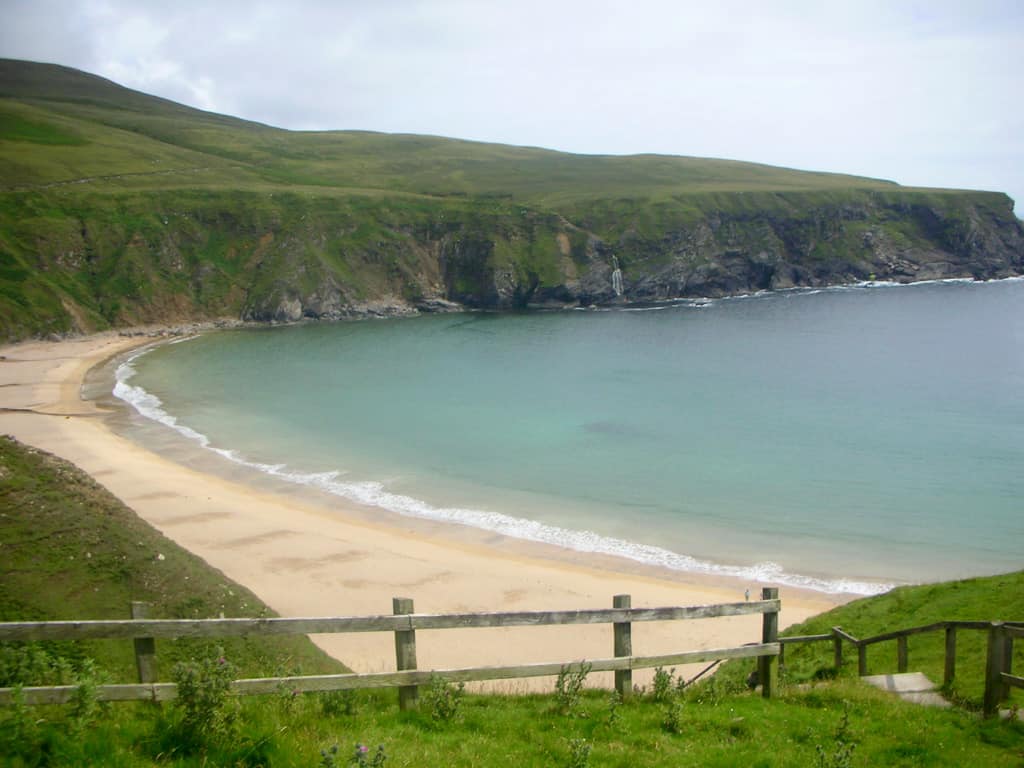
716 731
69 549
981 599
75 111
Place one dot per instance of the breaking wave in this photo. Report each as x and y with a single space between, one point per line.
375 494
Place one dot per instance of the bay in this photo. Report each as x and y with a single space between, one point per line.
844 439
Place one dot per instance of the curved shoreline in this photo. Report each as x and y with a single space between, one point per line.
373 494
306 558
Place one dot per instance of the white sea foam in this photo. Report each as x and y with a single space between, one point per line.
183 339
373 493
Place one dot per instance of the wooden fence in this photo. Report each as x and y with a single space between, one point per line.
999 660
404 623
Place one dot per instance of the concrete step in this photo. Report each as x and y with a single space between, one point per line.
909 686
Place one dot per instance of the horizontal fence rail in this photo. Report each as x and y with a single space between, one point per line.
998 675
354 681
168 628
403 623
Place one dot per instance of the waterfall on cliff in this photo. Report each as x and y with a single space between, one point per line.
616 277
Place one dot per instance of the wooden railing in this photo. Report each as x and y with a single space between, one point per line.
999 659
404 623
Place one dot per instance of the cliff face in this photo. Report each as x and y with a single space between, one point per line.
882 237
79 264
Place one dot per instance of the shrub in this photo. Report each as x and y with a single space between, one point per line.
579 753
673 720
614 702
208 711
334 703
569 686
840 755
663 685
444 699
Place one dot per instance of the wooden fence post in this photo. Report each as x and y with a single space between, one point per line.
769 634
405 654
902 661
623 642
993 670
1007 662
862 659
837 650
950 670
145 647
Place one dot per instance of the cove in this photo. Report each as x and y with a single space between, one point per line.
839 439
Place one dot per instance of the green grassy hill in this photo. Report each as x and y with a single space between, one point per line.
57 106
118 208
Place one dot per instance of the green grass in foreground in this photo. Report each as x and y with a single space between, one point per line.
710 728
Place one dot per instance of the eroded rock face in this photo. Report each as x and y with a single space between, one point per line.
288 311
216 262
720 255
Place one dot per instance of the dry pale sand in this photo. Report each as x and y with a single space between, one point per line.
306 556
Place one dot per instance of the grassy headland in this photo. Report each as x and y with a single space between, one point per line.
118 208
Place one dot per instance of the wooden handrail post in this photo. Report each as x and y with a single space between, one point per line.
623 642
950 671
837 650
1007 661
901 654
405 654
993 670
145 647
862 659
769 634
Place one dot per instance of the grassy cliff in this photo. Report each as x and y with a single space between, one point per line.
119 208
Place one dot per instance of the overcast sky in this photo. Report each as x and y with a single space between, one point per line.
923 93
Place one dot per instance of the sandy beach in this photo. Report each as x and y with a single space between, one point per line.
307 556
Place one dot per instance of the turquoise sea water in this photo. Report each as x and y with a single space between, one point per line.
842 439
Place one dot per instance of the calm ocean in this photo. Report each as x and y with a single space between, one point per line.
844 439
